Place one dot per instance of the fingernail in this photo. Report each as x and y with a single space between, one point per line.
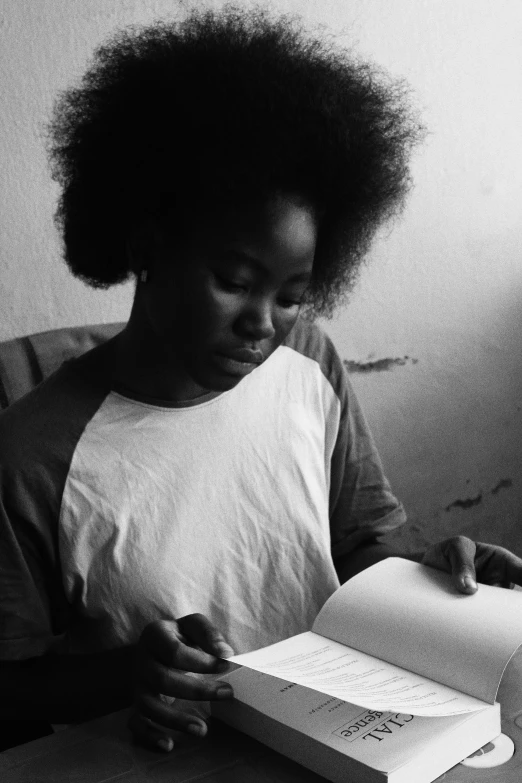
224 692
225 651
197 728
166 744
470 583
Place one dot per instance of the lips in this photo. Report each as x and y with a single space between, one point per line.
239 362
244 355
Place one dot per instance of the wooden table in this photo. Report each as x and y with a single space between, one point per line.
100 751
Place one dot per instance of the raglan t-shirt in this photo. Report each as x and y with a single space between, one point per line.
116 510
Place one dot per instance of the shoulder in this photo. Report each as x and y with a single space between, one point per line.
310 341
44 426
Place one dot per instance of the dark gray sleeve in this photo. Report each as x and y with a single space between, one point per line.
38 436
362 504
33 608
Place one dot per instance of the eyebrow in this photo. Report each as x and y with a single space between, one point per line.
242 255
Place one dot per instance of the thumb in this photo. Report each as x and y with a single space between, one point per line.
461 555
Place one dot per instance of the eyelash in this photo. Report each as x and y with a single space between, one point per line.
228 285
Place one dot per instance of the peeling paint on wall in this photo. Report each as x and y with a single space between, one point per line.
470 502
378 365
502 484
467 503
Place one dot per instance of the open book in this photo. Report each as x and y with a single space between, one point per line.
396 681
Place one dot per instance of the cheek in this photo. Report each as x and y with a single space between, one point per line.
222 309
218 310
208 317
284 323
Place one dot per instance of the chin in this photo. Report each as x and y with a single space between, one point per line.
215 377
212 381
225 384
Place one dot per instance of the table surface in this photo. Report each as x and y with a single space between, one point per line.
101 750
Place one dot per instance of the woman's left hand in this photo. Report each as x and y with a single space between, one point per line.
469 562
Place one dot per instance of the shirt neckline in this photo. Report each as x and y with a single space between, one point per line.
159 404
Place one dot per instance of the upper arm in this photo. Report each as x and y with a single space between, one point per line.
362 504
33 608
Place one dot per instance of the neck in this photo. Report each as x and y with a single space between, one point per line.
147 365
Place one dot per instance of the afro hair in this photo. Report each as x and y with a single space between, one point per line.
218 108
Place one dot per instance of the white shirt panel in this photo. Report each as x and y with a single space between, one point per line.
219 507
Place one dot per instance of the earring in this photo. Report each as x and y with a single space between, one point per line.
144 275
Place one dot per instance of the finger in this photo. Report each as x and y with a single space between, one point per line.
163 679
200 630
145 732
511 565
171 717
504 585
161 641
460 552
434 557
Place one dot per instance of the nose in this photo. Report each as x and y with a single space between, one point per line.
256 321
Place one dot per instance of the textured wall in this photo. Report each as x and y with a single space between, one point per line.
432 332
443 292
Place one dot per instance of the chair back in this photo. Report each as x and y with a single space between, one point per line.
26 361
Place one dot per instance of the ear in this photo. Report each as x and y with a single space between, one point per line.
141 245
132 256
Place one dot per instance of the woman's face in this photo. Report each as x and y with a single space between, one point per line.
222 300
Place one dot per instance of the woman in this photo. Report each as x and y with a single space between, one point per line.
202 481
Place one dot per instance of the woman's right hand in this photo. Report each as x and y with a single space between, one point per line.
166 652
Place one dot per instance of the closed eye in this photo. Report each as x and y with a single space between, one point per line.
288 303
230 285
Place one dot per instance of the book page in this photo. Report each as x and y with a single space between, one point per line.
301 708
343 673
412 616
